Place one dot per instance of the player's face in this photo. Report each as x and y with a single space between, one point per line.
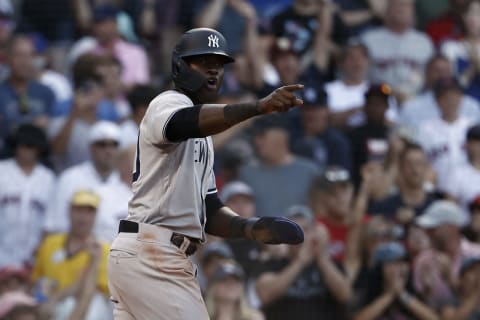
212 68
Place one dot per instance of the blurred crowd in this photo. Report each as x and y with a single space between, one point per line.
380 166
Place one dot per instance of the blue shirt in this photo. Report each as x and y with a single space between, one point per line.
105 110
16 109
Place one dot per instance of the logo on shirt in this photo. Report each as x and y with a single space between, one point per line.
213 41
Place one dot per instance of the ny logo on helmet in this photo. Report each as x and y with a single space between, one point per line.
213 41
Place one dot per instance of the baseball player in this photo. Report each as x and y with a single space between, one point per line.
175 199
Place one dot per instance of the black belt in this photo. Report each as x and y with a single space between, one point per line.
176 238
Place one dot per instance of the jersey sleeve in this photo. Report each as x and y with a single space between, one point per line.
159 113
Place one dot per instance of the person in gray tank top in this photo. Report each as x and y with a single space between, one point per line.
175 201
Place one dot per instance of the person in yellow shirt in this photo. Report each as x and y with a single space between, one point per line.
73 265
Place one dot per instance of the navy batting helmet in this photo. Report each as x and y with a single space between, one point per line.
196 42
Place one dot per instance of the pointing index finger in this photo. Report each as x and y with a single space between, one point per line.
293 87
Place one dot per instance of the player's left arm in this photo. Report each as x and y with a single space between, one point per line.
224 222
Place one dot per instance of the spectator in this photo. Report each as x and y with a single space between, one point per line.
226 296
425 107
443 220
213 255
138 99
228 17
413 195
316 140
376 231
52 19
240 198
23 99
115 196
346 95
99 174
277 167
106 40
390 293
26 192
448 25
7 26
75 118
288 67
135 69
397 51
443 139
307 284
463 183
110 69
472 230
466 304
75 264
304 19
465 54
370 141
331 199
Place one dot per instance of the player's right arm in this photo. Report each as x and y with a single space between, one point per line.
208 119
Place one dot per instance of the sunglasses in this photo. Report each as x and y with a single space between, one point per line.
337 175
106 143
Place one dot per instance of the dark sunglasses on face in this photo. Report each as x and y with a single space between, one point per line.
106 143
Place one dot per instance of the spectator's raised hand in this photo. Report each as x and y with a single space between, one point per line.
320 240
244 8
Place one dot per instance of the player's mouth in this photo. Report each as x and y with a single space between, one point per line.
212 83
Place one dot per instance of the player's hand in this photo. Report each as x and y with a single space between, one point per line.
280 100
276 230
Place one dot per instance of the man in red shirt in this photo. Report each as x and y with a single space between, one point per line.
332 200
448 25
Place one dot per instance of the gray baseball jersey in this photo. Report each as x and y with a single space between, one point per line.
171 180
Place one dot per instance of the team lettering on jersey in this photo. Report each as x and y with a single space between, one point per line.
200 151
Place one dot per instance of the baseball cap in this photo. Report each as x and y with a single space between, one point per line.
104 130
274 121
313 97
473 133
235 188
388 252
105 12
445 84
280 46
442 212
85 198
228 269
218 249
31 135
299 211
331 176
382 90
468 263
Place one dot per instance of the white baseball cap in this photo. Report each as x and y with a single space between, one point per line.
234 188
104 130
442 212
